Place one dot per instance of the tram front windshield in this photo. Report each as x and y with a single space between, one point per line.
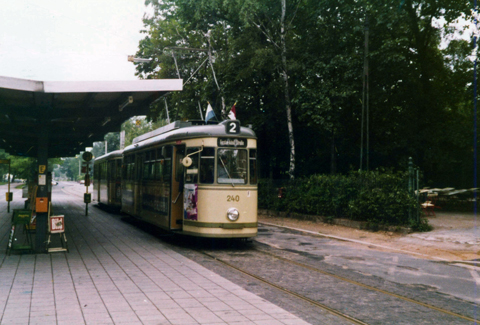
232 166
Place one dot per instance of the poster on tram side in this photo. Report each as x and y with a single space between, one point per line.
190 202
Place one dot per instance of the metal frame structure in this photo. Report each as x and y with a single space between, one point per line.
48 119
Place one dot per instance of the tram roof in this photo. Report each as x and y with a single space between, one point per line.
187 130
110 155
72 114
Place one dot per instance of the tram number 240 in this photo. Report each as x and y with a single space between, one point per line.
233 198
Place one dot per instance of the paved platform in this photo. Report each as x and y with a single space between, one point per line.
117 274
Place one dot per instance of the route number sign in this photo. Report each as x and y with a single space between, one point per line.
232 127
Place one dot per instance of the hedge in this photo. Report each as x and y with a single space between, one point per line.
378 197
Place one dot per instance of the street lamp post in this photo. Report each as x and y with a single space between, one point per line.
132 58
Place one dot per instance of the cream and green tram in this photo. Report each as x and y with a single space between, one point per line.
195 179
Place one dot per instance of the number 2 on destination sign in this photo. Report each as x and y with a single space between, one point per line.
232 127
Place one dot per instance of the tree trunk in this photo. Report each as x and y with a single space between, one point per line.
288 106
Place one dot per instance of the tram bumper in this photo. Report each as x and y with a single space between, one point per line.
220 230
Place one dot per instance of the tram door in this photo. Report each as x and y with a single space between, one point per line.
176 215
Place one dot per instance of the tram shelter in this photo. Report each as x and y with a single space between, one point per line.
49 119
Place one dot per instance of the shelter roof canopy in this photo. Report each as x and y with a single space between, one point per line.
73 113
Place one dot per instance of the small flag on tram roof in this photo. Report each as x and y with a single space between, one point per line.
210 113
233 114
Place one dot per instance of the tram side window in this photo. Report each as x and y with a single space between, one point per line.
253 166
131 170
129 167
151 165
111 170
104 171
207 161
232 166
118 169
148 165
167 165
95 171
159 165
140 158
145 167
192 171
125 168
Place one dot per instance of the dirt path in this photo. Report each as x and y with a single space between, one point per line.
455 237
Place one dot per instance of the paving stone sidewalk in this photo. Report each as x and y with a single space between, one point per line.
117 274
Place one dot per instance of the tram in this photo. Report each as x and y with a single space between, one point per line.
107 176
189 177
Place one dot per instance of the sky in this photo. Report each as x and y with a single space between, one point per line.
70 40
67 40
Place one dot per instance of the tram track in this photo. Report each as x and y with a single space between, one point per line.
285 290
368 286
309 268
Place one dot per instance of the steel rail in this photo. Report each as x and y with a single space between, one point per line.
448 312
292 293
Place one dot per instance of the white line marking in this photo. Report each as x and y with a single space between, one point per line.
391 270
475 276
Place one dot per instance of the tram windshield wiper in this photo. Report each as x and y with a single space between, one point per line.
226 171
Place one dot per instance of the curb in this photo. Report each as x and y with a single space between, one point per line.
366 243
362 225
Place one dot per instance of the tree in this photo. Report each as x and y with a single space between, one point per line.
137 126
312 51
71 167
98 149
112 140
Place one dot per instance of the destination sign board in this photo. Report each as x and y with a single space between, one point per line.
232 142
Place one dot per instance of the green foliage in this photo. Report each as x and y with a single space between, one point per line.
419 93
137 126
70 167
23 167
133 128
113 143
378 197
421 226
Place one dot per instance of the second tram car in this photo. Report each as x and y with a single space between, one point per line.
107 175
190 178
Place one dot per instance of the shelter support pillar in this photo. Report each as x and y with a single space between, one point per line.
41 204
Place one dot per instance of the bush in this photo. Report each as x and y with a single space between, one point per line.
421 226
378 197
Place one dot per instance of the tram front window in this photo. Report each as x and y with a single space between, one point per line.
232 166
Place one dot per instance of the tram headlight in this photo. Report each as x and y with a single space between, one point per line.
233 214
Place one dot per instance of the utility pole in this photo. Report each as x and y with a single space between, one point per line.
365 102
475 162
